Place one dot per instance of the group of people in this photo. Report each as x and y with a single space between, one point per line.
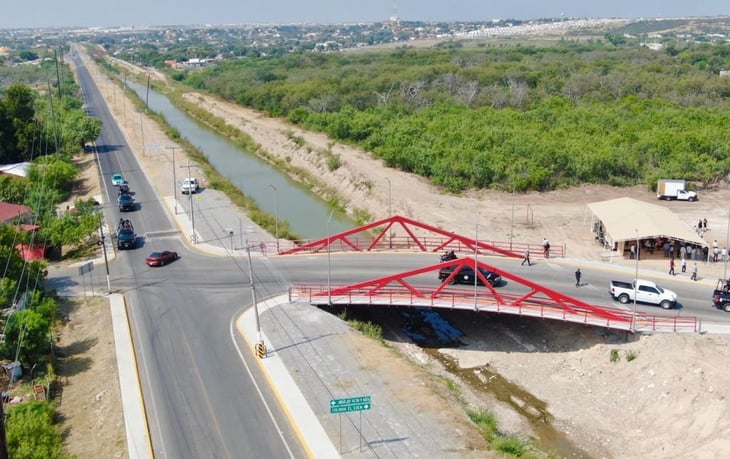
701 227
683 262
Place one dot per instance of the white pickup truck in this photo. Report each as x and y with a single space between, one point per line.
190 185
646 292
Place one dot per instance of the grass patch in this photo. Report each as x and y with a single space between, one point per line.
452 386
614 356
631 355
368 329
506 444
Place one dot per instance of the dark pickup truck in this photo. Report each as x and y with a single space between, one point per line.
721 295
126 237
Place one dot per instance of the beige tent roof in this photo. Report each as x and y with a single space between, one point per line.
622 217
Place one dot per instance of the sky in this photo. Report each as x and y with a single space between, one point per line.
101 13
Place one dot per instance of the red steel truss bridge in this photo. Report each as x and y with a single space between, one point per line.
523 297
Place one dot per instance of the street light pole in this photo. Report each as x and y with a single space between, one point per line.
329 262
174 180
276 216
390 187
476 253
636 282
390 211
253 294
727 240
106 260
512 224
193 237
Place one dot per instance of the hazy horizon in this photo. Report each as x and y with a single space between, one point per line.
139 13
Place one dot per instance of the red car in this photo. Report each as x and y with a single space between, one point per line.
161 258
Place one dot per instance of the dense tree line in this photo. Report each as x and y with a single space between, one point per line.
45 125
534 118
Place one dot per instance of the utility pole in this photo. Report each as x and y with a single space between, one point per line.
193 238
103 248
3 436
276 215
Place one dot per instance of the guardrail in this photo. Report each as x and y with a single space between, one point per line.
620 319
431 244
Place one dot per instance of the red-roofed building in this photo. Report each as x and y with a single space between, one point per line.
20 216
14 213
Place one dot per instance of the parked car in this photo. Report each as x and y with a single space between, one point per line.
126 203
118 179
161 258
466 275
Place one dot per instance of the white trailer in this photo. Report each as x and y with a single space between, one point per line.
674 189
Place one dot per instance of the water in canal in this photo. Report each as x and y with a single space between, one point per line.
307 214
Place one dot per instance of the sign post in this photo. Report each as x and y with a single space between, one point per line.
83 269
348 405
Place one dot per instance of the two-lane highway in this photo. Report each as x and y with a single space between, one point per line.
201 399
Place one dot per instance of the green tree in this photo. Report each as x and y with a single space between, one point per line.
32 434
27 336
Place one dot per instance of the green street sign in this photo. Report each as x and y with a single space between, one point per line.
346 405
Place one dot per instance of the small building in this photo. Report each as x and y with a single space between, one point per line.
620 223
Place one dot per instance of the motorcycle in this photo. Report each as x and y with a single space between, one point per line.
449 255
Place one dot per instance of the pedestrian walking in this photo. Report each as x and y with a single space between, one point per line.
526 258
671 267
546 247
694 272
683 264
705 223
577 277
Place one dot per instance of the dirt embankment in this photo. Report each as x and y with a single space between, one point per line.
667 399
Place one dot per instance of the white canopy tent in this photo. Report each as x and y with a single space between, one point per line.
626 219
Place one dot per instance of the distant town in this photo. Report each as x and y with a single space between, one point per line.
196 45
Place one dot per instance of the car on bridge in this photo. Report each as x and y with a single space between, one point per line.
465 275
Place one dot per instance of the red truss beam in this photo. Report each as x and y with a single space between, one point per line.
536 294
383 228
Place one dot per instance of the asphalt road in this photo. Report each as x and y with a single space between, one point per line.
203 394
204 398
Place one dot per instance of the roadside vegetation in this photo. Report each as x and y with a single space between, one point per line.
42 122
533 118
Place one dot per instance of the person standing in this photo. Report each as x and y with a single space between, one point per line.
526 258
633 252
694 272
705 223
546 247
577 277
671 266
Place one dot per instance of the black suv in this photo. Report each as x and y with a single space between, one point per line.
126 202
466 275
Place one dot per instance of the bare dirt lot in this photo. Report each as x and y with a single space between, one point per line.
664 396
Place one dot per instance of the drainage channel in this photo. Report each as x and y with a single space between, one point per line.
430 331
